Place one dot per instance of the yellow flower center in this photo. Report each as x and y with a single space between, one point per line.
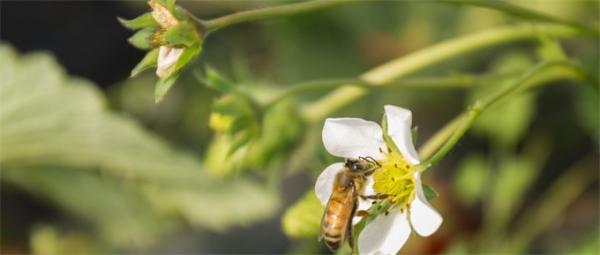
219 122
395 178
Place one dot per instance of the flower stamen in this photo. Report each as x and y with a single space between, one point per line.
395 178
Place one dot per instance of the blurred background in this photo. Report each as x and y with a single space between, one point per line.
89 163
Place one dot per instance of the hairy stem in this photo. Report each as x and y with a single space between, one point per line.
449 135
425 58
269 12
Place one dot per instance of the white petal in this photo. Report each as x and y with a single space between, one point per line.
424 219
167 57
365 204
385 234
399 121
324 185
353 138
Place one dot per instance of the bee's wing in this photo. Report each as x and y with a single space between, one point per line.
324 184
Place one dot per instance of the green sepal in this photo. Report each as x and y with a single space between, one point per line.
430 193
243 139
141 39
414 133
162 87
183 33
214 80
149 61
142 21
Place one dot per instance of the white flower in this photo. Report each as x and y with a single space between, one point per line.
167 57
353 138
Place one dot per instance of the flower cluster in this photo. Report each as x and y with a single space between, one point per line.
172 39
396 178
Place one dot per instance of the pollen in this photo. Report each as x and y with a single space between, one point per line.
219 122
395 178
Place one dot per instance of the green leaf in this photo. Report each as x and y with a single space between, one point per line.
149 61
551 50
142 21
471 178
142 39
303 218
60 142
215 80
430 193
118 212
183 34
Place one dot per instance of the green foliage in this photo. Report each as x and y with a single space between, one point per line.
215 80
472 178
303 219
506 121
61 144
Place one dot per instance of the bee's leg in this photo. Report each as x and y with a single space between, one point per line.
350 240
374 197
362 213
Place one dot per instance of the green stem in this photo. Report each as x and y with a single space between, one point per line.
425 58
524 13
453 81
451 134
311 86
269 12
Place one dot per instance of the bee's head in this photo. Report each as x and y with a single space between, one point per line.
358 165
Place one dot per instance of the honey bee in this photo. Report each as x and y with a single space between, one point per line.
348 185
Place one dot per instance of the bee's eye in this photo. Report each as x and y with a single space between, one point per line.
356 167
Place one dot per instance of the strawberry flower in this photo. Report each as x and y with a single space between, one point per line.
397 178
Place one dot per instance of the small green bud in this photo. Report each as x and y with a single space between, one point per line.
303 219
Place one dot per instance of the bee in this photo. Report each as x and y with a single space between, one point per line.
348 185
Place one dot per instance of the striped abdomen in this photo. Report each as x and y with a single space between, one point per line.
338 214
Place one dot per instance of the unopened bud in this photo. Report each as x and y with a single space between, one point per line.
167 57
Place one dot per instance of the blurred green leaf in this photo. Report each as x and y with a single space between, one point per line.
586 103
303 219
46 239
215 80
472 178
117 211
551 50
59 142
507 121
149 61
144 20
